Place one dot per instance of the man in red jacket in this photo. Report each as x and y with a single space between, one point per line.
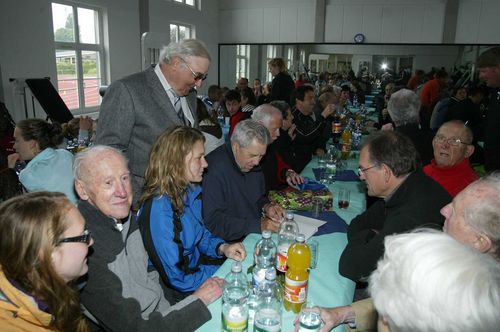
452 149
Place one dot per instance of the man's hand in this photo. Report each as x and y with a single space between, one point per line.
235 251
11 160
274 211
293 179
291 131
210 290
387 126
331 317
270 224
329 110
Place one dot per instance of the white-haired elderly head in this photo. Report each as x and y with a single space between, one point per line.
249 144
473 217
102 178
403 107
429 282
270 117
186 64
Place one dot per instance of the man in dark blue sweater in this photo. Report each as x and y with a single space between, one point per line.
234 201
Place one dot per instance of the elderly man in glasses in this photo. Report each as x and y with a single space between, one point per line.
408 199
121 293
452 149
135 110
472 218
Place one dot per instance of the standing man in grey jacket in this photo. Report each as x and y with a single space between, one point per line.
138 108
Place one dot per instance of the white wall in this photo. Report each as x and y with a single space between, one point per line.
478 22
263 21
385 21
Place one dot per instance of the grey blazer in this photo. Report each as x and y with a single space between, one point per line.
135 110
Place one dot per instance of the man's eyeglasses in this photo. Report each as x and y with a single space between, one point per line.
197 76
363 170
84 238
451 141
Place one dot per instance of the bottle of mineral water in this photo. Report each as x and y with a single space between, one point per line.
286 236
268 315
264 258
234 301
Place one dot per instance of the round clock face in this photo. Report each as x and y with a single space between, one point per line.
359 38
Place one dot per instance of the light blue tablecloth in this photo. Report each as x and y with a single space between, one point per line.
326 286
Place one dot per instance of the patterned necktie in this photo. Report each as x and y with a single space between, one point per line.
178 107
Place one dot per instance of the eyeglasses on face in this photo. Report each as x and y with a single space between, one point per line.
84 238
451 141
363 170
197 76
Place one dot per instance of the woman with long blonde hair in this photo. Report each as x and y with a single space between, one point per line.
179 245
43 245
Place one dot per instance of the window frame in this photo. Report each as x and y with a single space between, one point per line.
190 27
245 58
196 3
79 48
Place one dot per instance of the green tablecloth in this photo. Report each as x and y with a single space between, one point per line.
326 286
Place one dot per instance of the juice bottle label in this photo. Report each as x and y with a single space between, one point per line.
282 257
234 324
295 291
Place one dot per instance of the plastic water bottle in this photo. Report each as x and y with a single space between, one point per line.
297 275
286 236
234 300
268 315
264 257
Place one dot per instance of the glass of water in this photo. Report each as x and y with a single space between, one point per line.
331 168
310 318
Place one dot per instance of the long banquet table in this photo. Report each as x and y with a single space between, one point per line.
326 286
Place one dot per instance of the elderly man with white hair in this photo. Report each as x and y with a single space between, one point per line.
472 218
450 167
403 107
277 172
428 282
121 294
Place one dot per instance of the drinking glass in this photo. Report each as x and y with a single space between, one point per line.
314 248
344 198
310 318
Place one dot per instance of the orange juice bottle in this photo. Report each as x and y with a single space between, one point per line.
346 144
297 275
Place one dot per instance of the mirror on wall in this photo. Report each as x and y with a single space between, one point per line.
250 60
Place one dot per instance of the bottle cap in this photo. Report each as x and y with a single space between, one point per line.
236 267
300 238
289 215
266 234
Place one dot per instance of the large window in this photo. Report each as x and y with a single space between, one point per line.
179 32
79 55
270 54
242 61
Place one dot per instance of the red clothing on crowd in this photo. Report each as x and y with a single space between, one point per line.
235 118
430 93
455 178
413 82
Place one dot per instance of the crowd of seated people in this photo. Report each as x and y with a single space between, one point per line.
152 268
